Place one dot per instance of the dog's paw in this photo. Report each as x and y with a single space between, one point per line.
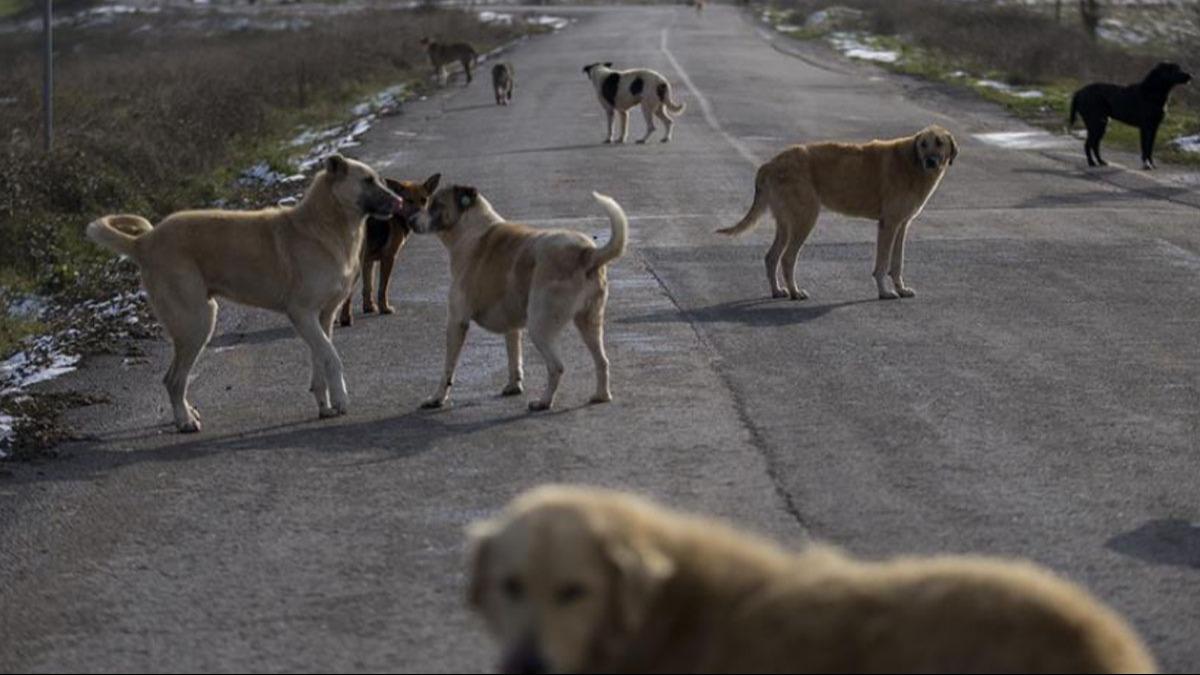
888 295
641 141
330 412
606 397
666 140
387 309
607 141
798 294
345 322
512 390
906 291
538 406
189 427
434 404
778 293
369 309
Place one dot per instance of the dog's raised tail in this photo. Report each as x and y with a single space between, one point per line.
620 233
749 220
119 234
666 96
1074 110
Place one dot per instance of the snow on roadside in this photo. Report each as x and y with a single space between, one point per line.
1009 89
854 45
1187 143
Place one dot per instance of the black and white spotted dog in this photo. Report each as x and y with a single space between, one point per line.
620 90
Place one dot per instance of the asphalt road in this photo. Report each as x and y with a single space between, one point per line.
1039 398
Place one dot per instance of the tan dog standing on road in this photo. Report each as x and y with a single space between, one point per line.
300 261
507 276
886 181
575 580
382 243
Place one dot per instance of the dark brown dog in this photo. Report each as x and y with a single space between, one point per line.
383 241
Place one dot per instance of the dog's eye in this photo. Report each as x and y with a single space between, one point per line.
513 588
569 593
937 142
924 144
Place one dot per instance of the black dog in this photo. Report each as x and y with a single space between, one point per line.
1142 105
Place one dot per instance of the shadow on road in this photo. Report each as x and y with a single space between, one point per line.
1168 541
757 312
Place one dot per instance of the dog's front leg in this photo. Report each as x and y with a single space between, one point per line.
1148 134
888 229
896 269
608 137
516 370
456 335
325 359
624 114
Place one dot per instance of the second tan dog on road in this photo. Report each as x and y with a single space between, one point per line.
573 580
507 277
886 181
300 261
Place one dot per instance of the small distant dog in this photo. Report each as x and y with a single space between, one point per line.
443 54
886 181
575 580
383 241
699 6
506 277
300 261
503 82
1143 105
620 90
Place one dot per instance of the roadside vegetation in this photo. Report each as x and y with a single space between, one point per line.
1028 57
153 115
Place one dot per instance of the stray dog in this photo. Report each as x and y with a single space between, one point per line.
1143 105
442 54
699 6
300 261
574 580
886 181
383 241
506 277
620 90
503 82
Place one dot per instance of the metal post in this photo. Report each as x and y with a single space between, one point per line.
48 68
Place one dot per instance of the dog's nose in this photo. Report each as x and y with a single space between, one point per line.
525 659
932 162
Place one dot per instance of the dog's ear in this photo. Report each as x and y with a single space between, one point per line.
587 70
393 185
953 148
479 543
608 64
639 573
431 183
336 165
465 196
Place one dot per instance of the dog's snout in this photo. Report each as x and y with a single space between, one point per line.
525 659
932 162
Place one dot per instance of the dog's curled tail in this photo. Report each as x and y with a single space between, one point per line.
119 234
666 96
749 220
620 232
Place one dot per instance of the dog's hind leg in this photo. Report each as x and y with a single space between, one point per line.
590 323
328 382
648 113
1095 134
516 370
896 269
189 316
803 211
667 121
772 259
456 335
546 320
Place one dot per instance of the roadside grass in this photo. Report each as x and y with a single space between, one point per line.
156 120
962 43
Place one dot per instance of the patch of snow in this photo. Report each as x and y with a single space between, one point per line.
958 73
29 307
6 433
1009 89
787 28
1024 140
833 16
488 16
554 22
1187 143
854 47
1114 30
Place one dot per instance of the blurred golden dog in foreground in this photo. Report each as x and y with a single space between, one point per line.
587 580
